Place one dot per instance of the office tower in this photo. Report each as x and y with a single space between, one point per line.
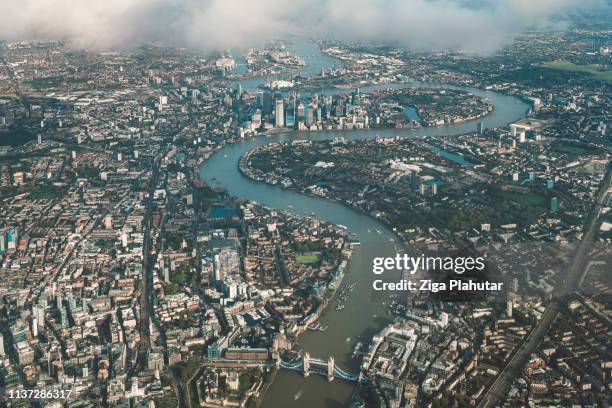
531 176
554 204
290 119
480 127
34 327
355 98
267 103
515 177
279 113
39 138
434 189
327 102
256 118
522 137
550 184
509 308
444 319
300 111
259 99
309 116
2 241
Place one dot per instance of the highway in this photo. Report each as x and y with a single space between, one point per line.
566 286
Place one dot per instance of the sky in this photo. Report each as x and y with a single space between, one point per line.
475 26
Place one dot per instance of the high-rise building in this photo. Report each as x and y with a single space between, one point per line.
480 128
554 204
339 109
327 102
259 99
300 112
279 112
444 319
266 103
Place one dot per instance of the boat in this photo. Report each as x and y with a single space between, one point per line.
297 395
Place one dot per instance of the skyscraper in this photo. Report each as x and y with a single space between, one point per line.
554 204
279 113
267 103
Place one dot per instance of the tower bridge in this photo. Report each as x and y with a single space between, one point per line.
329 369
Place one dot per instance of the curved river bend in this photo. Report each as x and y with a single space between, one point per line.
363 316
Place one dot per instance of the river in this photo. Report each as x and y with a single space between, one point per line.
364 314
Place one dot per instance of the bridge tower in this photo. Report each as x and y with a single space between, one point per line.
306 364
330 369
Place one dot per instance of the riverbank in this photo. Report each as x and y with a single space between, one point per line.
364 314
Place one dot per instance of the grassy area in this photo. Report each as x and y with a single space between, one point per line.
575 149
594 70
307 258
525 198
167 401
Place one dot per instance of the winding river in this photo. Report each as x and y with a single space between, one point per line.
364 314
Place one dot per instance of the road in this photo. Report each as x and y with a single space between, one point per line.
145 293
567 285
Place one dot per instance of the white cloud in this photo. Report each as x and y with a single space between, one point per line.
471 25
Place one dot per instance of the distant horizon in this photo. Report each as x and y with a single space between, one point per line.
476 27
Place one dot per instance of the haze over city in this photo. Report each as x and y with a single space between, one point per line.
478 26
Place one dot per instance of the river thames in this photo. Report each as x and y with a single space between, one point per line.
364 314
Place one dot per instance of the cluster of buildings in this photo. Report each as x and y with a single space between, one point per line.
118 265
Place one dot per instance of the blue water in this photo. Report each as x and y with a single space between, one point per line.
411 113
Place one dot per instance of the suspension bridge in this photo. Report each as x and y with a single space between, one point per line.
306 365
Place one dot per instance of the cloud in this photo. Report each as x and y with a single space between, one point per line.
468 25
